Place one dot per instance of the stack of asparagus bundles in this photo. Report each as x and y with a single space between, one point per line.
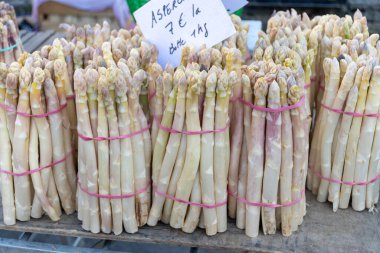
10 42
38 171
347 152
114 145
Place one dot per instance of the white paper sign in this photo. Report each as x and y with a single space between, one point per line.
234 5
171 24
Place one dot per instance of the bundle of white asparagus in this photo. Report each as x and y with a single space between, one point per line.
346 139
38 172
10 42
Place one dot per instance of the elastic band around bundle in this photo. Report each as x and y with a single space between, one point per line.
281 109
151 95
174 131
346 182
354 114
18 41
208 206
71 97
42 115
35 170
120 137
257 204
109 196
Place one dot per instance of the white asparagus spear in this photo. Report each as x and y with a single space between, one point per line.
365 141
104 158
193 215
7 192
286 158
353 138
374 169
272 159
207 157
20 150
142 207
176 174
256 159
191 165
243 166
113 76
171 150
337 167
331 123
127 170
89 149
11 97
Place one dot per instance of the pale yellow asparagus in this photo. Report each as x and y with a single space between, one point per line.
337 167
20 150
11 98
272 159
104 157
191 165
176 174
163 136
7 191
256 159
142 207
353 138
241 207
207 157
171 150
374 170
115 165
126 158
193 215
89 149
365 141
60 81
331 124
158 108
286 158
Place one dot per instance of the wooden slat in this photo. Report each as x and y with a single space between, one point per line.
38 39
322 231
27 37
50 40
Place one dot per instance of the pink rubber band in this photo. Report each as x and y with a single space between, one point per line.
35 170
208 206
321 87
174 131
71 97
345 182
151 95
307 85
42 115
243 200
102 138
354 114
281 109
108 196
234 99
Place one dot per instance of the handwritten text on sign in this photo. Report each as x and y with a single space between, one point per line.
171 24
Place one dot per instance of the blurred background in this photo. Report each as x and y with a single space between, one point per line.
47 15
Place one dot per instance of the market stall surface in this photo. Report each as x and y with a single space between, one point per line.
322 229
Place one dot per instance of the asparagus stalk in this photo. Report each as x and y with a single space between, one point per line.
272 159
142 207
7 192
332 121
11 98
176 174
88 148
105 129
353 138
190 167
126 158
337 168
365 141
171 150
20 150
207 157
256 159
193 215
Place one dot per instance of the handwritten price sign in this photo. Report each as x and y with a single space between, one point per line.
171 24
